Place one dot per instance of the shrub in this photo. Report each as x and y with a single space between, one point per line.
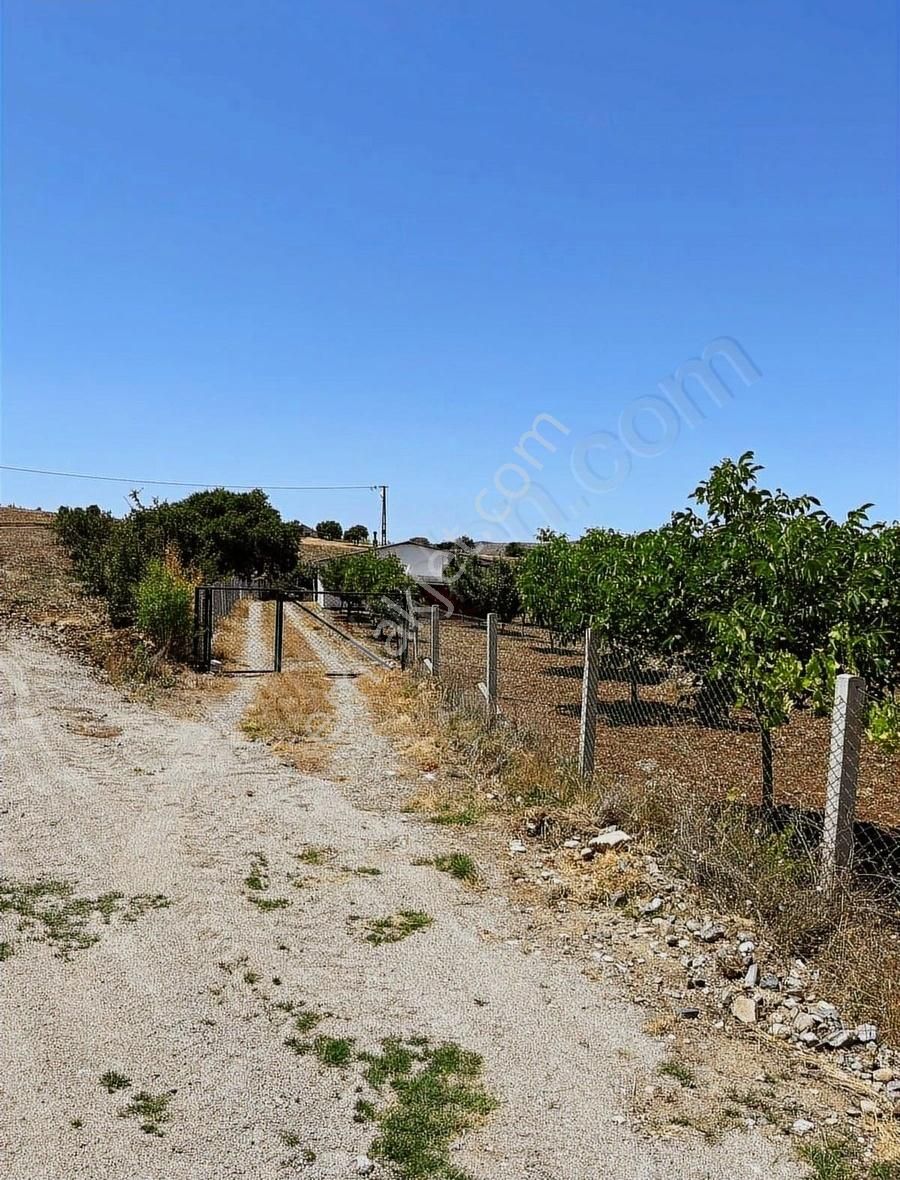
164 601
329 530
357 533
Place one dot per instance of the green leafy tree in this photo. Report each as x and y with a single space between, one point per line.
483 586
329 530
358 534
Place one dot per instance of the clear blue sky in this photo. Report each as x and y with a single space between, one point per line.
276 241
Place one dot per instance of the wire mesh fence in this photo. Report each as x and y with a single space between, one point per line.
235 626
818 776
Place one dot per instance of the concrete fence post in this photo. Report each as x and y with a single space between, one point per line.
587 737
435 641
491 670
847 725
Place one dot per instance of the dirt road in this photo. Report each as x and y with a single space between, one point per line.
188 1001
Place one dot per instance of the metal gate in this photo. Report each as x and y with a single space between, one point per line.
239 626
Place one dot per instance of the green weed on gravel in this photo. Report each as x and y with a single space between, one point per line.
112 1080
394 927
437 1094
151 1109
49 910
422 1096
683 1074
258 877
316 854
458 865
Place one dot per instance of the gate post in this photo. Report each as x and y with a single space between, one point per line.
207 628
279 631
198 623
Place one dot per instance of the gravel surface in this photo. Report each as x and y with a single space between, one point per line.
179 807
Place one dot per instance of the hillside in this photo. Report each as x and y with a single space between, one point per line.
38 589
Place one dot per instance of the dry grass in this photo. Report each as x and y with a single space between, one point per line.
771 875
231 633
478 769
292 710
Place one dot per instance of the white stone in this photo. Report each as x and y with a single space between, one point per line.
802 1127
610 838
364 1166
743 1008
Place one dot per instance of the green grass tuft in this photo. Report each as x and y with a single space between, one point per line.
461 817
112 1080
151 1109
315 854
267 904
829 1159
397 926
680 1072
459 865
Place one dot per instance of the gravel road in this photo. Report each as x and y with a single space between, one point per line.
183 998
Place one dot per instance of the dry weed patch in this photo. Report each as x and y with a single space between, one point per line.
292 711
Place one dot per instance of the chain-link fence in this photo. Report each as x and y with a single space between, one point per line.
634 721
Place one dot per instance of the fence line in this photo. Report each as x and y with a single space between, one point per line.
664 719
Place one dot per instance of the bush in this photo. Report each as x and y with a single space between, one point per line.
357 533
164 602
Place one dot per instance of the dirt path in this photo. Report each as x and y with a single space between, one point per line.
179 807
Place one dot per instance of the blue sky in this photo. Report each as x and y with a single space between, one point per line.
284 242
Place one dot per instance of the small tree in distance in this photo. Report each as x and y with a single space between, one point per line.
357 533
329 530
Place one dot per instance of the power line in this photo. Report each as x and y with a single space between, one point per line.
231 487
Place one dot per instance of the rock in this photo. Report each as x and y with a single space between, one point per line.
689 1013
617 898
892 1089
752 975
867 1034
781 1031
588 853
364 1166
747 947
517 846
711 933
610 838
825 1011
571 844
804 1021
793 986
802 1127
770 982
809 1038
867 1106
743 1008
730 963
883 1074
839 1039
652 907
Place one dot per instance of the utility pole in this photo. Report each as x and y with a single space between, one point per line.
384 491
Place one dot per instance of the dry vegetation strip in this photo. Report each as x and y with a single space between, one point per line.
292 710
